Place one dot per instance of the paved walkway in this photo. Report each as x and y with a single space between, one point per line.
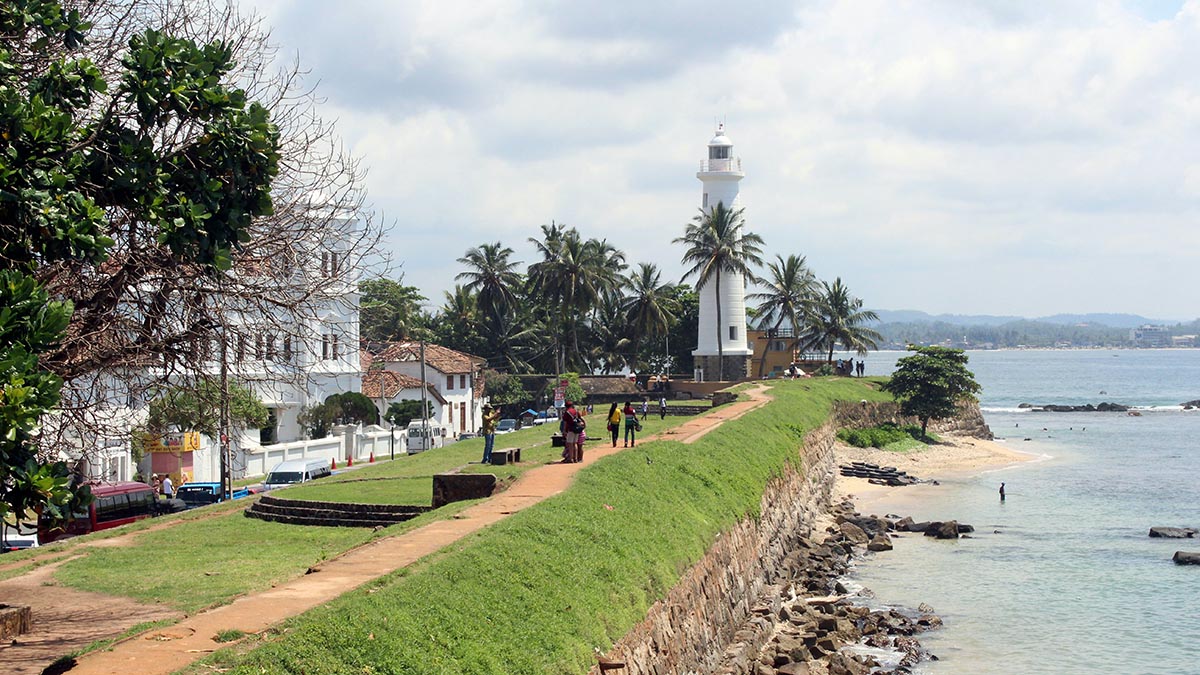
170 649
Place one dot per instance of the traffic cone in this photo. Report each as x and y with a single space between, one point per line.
349 461
372 460
332 464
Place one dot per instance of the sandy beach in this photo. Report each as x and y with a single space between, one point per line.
952 458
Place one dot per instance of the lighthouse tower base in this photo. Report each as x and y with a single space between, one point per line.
737 367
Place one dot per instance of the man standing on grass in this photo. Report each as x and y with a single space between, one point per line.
168 489
490 417
662 407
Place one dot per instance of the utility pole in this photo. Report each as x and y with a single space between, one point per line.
223 433
425 438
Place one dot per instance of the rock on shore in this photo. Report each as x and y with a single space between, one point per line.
812 621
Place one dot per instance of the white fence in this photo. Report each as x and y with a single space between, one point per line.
344 443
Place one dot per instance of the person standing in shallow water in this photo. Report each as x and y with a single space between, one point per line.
1002 492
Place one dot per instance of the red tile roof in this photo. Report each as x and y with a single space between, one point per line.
391 384
443 359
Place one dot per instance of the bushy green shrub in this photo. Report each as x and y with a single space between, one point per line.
880 436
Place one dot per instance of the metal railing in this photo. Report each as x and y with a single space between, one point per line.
731 164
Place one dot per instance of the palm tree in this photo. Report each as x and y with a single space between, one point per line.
716 245
492 276
839 318
607 335
649 307
572 276
790 296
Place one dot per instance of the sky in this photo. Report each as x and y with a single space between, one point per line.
962 156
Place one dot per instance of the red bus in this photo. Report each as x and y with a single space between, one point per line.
113 504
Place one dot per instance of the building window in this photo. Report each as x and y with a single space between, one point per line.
240 350
329 346
269 342
258 346
462 381
449 382
733 333
287 348
330 265
705 204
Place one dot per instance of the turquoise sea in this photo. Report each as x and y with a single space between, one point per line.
1062 577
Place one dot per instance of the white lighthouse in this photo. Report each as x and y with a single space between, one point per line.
720 174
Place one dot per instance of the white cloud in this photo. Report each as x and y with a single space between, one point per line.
992 157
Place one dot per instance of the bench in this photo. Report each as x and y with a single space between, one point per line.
506 456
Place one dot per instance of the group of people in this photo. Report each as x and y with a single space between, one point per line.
573 426
163 485
851 368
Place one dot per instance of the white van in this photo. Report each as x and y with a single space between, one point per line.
421 437
296 471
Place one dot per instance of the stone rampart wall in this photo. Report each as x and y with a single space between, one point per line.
708 615
686 632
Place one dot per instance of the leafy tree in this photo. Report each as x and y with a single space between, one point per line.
838 318
160 146
503 389
575 392
198 408
400 413
931 383
347 408
680 339
717 246
29 323
790 296
389 310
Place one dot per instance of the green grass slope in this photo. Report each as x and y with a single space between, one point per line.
536 592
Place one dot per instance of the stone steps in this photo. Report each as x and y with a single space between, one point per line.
331 514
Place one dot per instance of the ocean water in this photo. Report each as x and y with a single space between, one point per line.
1062 577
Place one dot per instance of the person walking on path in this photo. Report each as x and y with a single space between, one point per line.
1002 492
662 407
645 407
491 416
631 425
614 423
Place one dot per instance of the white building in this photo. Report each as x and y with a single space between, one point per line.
1150 336
720 175
291 361
452 383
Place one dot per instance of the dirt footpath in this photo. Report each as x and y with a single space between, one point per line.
170 649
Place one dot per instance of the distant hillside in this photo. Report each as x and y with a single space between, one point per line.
917 316
1113 320
1099 319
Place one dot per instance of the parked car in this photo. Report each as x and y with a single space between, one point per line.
16 540
202 494
545 417
296 471
507 426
